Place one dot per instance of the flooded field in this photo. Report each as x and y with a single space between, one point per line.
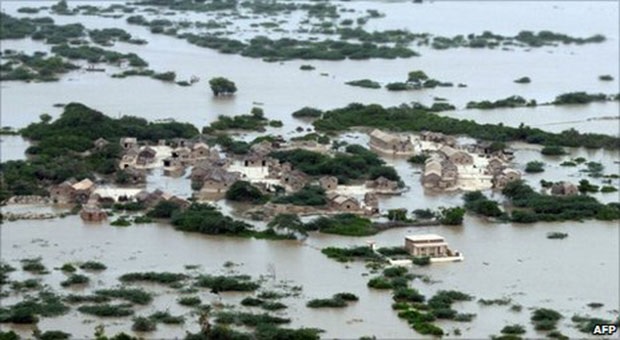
502 260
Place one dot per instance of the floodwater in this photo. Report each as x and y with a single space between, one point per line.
501 260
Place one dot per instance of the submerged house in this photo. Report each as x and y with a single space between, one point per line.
200 150
457 156
146 156
218 180
390 143
328 183
564 189
343 203
294 179
92 213
129 143
82 190
431 245
382 185
63 193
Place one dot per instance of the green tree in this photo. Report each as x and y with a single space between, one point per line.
288 223
222 86
452 216
243 191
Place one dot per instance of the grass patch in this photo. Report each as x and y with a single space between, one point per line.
166 278
189 301
240 283
107 310
137 296
167 318
75 279
93 266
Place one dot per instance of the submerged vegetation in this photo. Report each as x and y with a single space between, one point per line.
60 145
411 118
533 206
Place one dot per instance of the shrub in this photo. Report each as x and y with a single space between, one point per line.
346 296
553 150
137 296
241 283
53 335
513 329
75 279
343 224
153 277
271 306
189 301
407 295
93 266
327 303
164 209
243 191
166 318
452 216
68 267
142 324
307 112
251 302
557 235
34 266
366 83
222 86
106 310
534 167
380 282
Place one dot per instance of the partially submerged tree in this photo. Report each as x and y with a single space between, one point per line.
222 86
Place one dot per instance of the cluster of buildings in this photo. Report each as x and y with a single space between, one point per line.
441 168
173 156
391 143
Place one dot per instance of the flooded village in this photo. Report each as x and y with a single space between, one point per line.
293 170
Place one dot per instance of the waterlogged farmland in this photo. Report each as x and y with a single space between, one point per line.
247 203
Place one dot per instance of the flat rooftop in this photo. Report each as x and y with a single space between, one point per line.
424 237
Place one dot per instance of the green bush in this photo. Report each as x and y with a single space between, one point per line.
407 295
164 209
251 302
343 224
534 167
523 80
243 191
133 295
366 83
333 302
106 310
513 329
93 266
307 112
553 150
240 283
142 324
350 254
166 318
206 219
190 301
75 279
153 277
451 216
222 86
52 335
